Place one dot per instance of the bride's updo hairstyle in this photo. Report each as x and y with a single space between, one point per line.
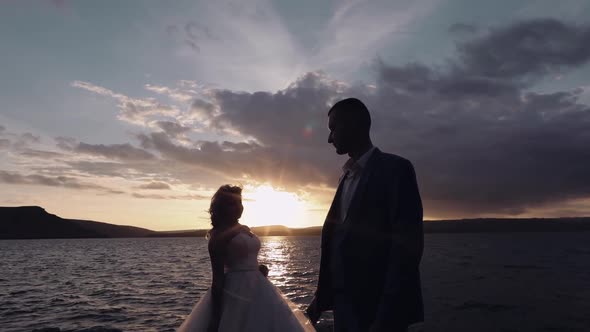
226 206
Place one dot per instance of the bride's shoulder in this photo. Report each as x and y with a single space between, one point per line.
214 243
222 237
218 239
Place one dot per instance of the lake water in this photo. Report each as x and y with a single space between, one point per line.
471 282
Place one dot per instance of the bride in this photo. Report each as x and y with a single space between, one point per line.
240 297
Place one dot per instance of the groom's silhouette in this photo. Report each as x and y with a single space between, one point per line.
372 238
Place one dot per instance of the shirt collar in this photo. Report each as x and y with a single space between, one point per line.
352 166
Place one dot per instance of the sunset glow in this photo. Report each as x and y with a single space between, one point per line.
136 114
264 205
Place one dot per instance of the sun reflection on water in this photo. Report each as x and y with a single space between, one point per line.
276 255
293 264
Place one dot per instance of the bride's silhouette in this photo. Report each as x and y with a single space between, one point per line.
240 297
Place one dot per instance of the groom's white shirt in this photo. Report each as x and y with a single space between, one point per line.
352 173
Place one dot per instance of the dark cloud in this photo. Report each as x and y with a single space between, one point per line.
115 151
192 44
100 168
173 129
41 154
158 170
24 140
66 143
30 138
202 109
500 152
533 47
155 185
239 160
481 139
51 181
463 29
17 141
192 35
295 116
195 31
171 197
481 142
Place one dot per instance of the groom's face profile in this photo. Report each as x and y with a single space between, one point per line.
342 132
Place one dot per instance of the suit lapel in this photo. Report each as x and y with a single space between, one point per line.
362 185
333 214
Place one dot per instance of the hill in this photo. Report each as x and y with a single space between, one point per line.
506 225
273 230
33 222
439 226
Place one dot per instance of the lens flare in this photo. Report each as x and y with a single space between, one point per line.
308 131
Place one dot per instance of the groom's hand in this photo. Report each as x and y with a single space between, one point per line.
313 311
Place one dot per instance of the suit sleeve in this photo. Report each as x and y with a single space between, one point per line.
406 240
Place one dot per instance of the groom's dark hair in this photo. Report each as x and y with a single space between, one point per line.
353 110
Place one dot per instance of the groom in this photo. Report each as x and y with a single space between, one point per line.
372 238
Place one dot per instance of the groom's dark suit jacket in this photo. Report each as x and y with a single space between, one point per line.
382 248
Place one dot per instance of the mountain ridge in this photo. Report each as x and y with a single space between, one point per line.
33 222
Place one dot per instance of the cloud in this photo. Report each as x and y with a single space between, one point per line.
281 118
114 151
121 152
482 139
172 129
181 95
132 110
50 181
41 154
359 30
533 47
193 34
171 197
101 169
482 143
17 141
463 29
155 185
489 151
202 110
65 143
248 161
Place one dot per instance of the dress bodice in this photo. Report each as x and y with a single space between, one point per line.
242 252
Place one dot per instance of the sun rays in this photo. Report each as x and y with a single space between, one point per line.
265 205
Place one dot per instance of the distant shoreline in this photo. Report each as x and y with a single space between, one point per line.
33 222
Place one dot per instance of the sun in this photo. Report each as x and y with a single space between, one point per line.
264 205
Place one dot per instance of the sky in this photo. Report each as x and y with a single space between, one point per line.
135 112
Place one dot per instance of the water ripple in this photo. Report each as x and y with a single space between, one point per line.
152 284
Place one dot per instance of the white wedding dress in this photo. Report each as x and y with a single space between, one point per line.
250 301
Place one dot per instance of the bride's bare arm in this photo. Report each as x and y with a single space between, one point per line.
217 255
